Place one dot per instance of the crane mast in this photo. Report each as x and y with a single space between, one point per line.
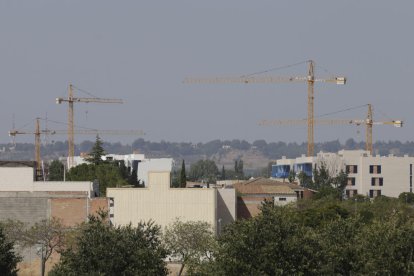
368 121
311 84
71 100
38 132
369 124
310 79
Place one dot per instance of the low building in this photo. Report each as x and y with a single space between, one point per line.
368 174
163 204
29 201
134 162
252 193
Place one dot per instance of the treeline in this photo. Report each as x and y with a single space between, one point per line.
272 150
325 236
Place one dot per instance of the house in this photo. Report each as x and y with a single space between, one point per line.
252 193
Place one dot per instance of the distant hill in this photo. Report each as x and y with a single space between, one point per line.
255 155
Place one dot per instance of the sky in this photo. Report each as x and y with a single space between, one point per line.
141 51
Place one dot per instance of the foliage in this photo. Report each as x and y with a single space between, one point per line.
204 170
183 176
406 197
191 242
101 249
56 171
108 175
223 173
14 230
49 235
321 237
95 156
292 176
238 169
8 258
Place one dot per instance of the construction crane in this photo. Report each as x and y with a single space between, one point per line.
71 100
38 132
309 79
369 123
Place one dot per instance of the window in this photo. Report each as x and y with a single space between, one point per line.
377 181
375 169
351 193
351 169
374 193
351 181
282 198
411 169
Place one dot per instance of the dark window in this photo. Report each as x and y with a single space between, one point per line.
378 192
411 169
351 181
411 181
282 198
371 193
351 169
375 169
377 181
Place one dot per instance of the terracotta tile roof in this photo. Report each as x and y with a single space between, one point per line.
266 186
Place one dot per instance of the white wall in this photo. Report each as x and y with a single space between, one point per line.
161 203
157 164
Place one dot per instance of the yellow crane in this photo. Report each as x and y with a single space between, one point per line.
38 132
309 79
71 100
369 123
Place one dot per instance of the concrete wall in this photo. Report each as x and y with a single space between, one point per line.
148 165
161 203
11 176
226 207
281 200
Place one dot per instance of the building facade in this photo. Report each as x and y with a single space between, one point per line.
367 174
163 204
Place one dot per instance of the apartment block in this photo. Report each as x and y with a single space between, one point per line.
370 175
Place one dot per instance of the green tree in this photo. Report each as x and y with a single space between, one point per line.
100 249
107 174
273 243
49 235
204 170
191 242
95 156
406 197
223 173
183 176
8 258
292 176
56 171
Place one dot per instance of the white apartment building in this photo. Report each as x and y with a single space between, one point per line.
136 162
367 174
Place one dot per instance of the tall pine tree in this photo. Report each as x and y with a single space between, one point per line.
183 176
95 156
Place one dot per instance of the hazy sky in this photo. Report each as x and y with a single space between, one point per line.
141 51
